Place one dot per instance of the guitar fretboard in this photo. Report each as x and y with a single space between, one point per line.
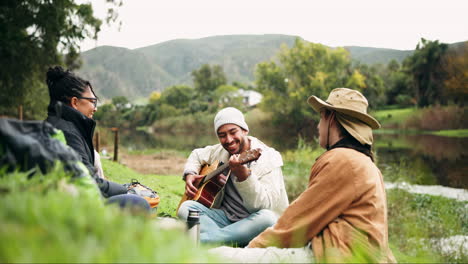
245 157
215 172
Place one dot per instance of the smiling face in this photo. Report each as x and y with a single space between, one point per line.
85 103
233 138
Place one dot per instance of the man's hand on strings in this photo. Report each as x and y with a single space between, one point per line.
190 180
240 171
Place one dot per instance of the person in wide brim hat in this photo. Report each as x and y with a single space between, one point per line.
343 209
350 110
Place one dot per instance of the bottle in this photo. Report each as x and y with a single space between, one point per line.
193 225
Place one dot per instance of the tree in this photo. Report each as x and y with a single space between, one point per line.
120 102
369 80
398 85
207 78
304 70
455 64
154 97
178 96
34 35
425 68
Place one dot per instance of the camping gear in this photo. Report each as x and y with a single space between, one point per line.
151 196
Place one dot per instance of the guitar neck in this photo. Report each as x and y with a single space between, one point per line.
215 172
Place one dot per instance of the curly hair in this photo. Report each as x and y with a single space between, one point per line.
64 84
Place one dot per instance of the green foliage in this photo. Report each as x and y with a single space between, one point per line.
120 102
178 96
455 65
425 68
297 165
417 221
43 222
304 70
210 94
34 35
207 78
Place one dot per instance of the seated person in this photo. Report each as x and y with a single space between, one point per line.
345 203
254 195
73 115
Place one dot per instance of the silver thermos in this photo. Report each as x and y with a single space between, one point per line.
193 225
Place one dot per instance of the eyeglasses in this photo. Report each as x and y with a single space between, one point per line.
91 99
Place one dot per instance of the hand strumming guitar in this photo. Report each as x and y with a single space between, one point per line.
190 180
240 171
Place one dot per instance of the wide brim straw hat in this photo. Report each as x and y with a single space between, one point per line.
347 101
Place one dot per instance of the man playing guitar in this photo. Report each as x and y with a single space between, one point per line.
253 195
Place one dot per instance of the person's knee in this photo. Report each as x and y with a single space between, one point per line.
182 213
130 201
267 218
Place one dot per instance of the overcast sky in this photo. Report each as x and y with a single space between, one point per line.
397 24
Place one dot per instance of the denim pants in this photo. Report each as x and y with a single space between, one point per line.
215 227
129 201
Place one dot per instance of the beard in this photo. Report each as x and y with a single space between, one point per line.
240 143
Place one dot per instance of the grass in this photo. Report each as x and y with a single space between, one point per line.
393 117
416 221
42 221
166 152
452 133
433 118
170 188
296 169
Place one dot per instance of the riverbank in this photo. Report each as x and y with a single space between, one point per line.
435 118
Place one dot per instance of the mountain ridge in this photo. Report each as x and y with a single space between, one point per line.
137 72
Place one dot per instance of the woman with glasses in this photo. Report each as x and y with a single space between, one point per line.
73 103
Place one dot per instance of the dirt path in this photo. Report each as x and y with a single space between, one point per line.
159 163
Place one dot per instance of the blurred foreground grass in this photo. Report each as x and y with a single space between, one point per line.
42 221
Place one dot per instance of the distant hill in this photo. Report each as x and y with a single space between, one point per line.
368 55
136 73
238 54
119 71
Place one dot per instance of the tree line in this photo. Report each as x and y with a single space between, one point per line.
433 75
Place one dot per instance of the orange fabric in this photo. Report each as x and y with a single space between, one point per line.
345 203
153 202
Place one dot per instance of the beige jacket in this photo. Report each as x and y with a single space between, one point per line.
263 189
344 204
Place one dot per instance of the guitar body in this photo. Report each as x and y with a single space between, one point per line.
203 193
209 191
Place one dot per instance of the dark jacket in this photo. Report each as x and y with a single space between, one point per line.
78 130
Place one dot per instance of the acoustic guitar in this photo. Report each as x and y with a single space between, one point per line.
214 181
